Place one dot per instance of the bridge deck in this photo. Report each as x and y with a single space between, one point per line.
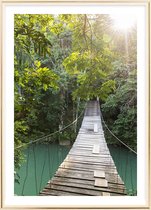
88 169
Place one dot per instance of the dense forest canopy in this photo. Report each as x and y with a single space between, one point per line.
60 62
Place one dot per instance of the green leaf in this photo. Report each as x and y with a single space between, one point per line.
37 64
45 86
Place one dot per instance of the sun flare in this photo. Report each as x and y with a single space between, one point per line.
123 21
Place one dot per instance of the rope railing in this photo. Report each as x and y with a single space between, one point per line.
51 134
116 136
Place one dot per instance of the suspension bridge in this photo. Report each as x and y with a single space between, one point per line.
88 169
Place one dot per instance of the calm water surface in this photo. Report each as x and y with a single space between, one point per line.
126 164
42 163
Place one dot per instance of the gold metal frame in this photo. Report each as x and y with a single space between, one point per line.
147 4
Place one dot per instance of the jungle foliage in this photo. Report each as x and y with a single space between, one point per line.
60 62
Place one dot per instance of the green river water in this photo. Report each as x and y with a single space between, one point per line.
43 161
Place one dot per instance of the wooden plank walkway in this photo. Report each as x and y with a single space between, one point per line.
88 169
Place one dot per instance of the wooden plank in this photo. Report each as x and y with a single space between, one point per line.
112 179
80 188
83 169
74 189
100 182
90 154
115 178
95 127
74 175
52 192
91 158
100 174
91 166
106 194
118 188
75 172
72 180
87 186
86 161
96 149
114 186
80 148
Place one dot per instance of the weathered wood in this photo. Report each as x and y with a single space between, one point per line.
99 182
88 168
73 180
88 183
73 174
88 159
87 162
106 194
100 174
74 189
95 127
81 188
89 154
78 175
52 192
96 149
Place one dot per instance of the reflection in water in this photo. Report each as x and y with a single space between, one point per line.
42 162
126 164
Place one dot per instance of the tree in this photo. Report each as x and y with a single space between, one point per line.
89 64
120 108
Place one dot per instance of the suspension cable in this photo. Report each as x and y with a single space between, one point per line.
116 136
51 134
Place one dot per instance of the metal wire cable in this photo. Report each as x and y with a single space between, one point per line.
51 134
116 136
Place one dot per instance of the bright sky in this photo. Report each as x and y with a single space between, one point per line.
123 21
